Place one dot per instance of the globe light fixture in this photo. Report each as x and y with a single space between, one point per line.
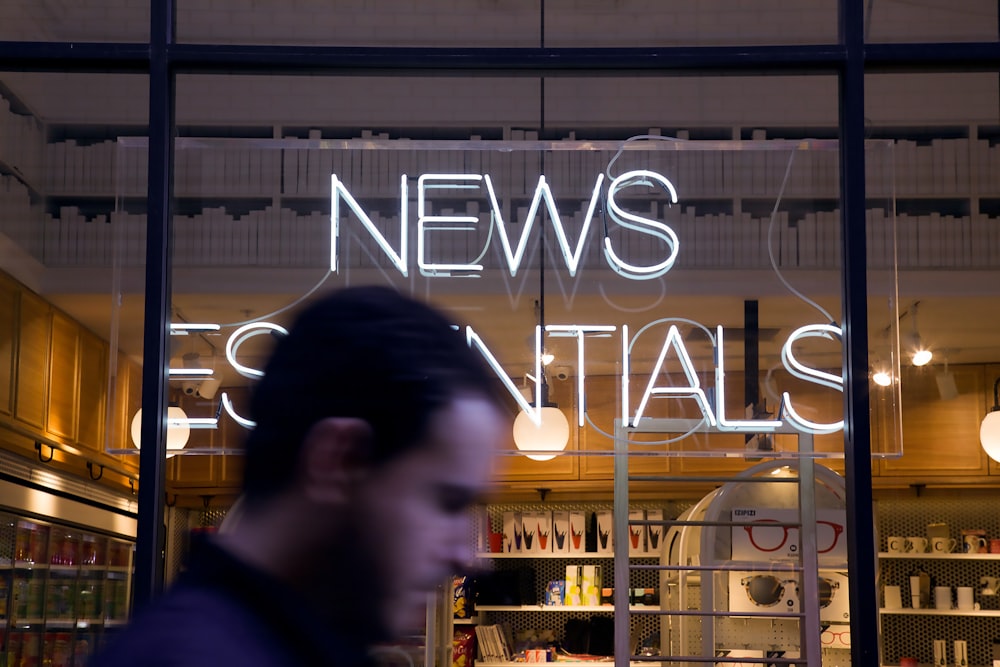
549 437
178 430
989 431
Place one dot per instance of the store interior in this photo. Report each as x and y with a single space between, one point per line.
752 155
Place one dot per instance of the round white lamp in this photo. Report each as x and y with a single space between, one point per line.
551 435
989 431
178 430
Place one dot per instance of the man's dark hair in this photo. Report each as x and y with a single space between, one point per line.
364 352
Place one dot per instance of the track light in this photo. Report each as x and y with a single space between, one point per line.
920 355
881 377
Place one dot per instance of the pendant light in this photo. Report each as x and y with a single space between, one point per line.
989 431
550 432
178 430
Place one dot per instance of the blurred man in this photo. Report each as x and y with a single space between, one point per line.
375 426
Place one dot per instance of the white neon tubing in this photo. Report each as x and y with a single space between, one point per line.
190 372
337 192
227 405
243 334
183 328
693 390
578 331
749 425
638 223
542 191
803 424
803 372
436 269
197 422
474 341
625 372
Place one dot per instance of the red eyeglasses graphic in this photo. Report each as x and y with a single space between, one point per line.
773 537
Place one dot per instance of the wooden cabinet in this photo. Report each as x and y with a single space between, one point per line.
62 412
93 391
32 367
8 344
940 435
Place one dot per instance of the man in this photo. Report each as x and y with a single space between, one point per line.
375 425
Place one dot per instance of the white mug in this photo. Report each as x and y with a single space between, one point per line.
897 544
974 544
943 545
917 545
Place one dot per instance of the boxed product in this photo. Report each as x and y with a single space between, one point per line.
555 593
537 529
605 532
636 533
560 532
654 533
590 585
577 532
573 597
529 532
512 532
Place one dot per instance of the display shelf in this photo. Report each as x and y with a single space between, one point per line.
936 556
564 663
985 613
577 556
466 621
30 565
564 609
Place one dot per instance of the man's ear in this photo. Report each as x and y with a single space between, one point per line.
334 457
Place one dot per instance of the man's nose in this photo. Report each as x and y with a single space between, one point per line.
461 553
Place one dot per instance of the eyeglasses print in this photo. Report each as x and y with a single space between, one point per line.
828 638
770 538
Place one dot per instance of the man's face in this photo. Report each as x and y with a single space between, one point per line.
414 509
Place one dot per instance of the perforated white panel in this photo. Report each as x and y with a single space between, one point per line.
913 635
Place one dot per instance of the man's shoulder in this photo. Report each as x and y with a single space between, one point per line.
193 626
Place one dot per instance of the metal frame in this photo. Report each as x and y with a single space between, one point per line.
162 59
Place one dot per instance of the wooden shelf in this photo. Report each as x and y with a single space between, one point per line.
936 556
986 613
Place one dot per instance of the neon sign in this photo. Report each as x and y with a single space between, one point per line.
429 225
714 411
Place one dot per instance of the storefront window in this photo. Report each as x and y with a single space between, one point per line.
89 21
931 21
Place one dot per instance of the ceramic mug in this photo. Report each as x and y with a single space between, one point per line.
897 544
917 544
943 545
974 544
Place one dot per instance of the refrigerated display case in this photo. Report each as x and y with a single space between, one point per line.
62 591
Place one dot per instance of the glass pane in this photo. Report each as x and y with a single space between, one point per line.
84 21
61 214
945 152
722 23
484 23
757 203
360 23
931 21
